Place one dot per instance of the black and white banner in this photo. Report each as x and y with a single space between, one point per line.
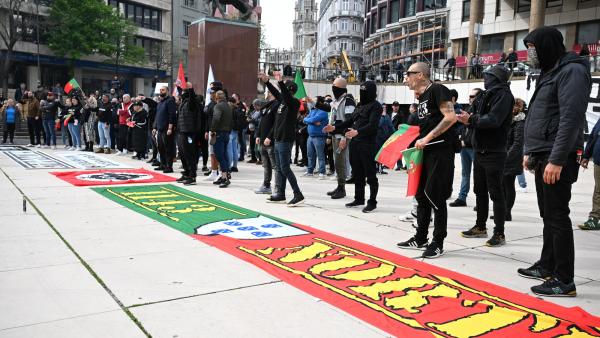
29 159
90 161
12 147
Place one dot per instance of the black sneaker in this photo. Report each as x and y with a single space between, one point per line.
330 193
475 232
496 240
350 180
234 169
168 170
354 203
370 207
205 169
555 288
156 164
340 193
535 272
458 203
159 168
433 250
298 199
218 181
183 178
189 181
413 244
276 199
225 183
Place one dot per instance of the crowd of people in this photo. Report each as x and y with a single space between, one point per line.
338 135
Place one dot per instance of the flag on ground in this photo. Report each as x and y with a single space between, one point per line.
72 84
211 79
180 82
391 151
414 163
301 92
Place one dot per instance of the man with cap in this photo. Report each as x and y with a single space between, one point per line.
490 125
284 130
213 174
553 136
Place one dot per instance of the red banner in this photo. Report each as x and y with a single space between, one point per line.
489 59
111 177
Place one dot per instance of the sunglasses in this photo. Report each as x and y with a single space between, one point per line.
409 73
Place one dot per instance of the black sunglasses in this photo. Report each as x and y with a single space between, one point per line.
409 73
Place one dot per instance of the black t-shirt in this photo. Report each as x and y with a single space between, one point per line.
429 113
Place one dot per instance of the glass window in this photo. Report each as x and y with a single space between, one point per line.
154 20
345 5
491 44
409 8
139 16
588 32
186 27
382 17
129 11
466 10
554 3
373 23
394 10
523 6
146 22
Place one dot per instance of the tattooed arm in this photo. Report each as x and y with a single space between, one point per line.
447 109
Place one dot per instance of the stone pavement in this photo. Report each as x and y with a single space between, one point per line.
76 264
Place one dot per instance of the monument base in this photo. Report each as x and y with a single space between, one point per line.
231 48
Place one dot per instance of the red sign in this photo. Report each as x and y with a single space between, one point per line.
111 177
488 59
592 47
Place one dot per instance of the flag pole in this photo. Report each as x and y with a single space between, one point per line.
428 144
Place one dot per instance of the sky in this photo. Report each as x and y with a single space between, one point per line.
277 17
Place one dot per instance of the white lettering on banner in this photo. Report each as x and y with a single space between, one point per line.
91 161
593 110
36 160
250 228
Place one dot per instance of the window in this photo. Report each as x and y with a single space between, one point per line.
353 46
466 10
409 8
491 44
394 10
189 3
139 16
373 23
186 28
498 8
382 16
343 45
588 32
114 3
151 46
146 20
523 6
345 5
142 16
354 26
344 25
554 3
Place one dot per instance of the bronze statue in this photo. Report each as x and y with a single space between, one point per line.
243 6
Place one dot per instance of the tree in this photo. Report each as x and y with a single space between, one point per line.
160 57
86 27
11 31
125 50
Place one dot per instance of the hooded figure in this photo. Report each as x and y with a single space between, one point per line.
368 92
549 47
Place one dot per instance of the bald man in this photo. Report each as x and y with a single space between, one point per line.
436 115
341 110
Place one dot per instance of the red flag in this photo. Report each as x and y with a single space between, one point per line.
180 82
391 151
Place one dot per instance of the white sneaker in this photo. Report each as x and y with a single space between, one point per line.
117 152
523 190
125 152
81 148
212 177
322 177
38 146
30 145
307 174
54 147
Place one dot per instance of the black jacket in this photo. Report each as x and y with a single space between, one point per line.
514 147
492 120
189 119
239 118
50 109
166 113
285 119
556 117
208 115
104 112
365 119
267 121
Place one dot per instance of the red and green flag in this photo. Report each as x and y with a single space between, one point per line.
72 84
414 163
301 92
391 151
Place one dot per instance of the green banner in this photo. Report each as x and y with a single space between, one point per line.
178 208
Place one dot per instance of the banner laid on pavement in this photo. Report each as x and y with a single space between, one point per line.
90 160
9 147
402 296
112 177
29 159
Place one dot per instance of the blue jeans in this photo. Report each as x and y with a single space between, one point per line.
104 134
50 132
283 155
220 149
522 182
316 146
466 159
74 130
233 148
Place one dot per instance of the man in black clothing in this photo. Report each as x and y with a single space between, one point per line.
188 131
361 128
511 59
553 136
164 128
284 130
436 115
104 121
385 71
264 137
213 174
451 64
152 142
490 123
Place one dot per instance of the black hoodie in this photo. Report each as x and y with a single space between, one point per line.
284 129
365 118
549 46
556 117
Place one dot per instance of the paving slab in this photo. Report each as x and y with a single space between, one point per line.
275 310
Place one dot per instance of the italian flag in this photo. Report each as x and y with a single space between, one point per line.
414 162
391 151
71 85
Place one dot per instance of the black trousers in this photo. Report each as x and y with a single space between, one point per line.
558 251
114 130
122 135
301 140
509 192
435 187
362 160
204 149
9 132
34 127
166 149
252 150
329 154
188 149
488 169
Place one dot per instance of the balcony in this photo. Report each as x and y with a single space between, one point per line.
351 54
348 33
345 13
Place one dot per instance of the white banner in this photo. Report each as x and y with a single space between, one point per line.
37 160
9 147
250 228
90 161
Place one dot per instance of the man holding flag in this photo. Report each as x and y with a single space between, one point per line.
436 116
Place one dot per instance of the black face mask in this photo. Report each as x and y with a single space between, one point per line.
490 81
338 92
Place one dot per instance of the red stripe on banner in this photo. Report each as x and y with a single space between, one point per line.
403 296
111 177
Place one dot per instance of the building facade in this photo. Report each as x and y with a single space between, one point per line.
184 13
340 28
405 31
153 21
305 29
